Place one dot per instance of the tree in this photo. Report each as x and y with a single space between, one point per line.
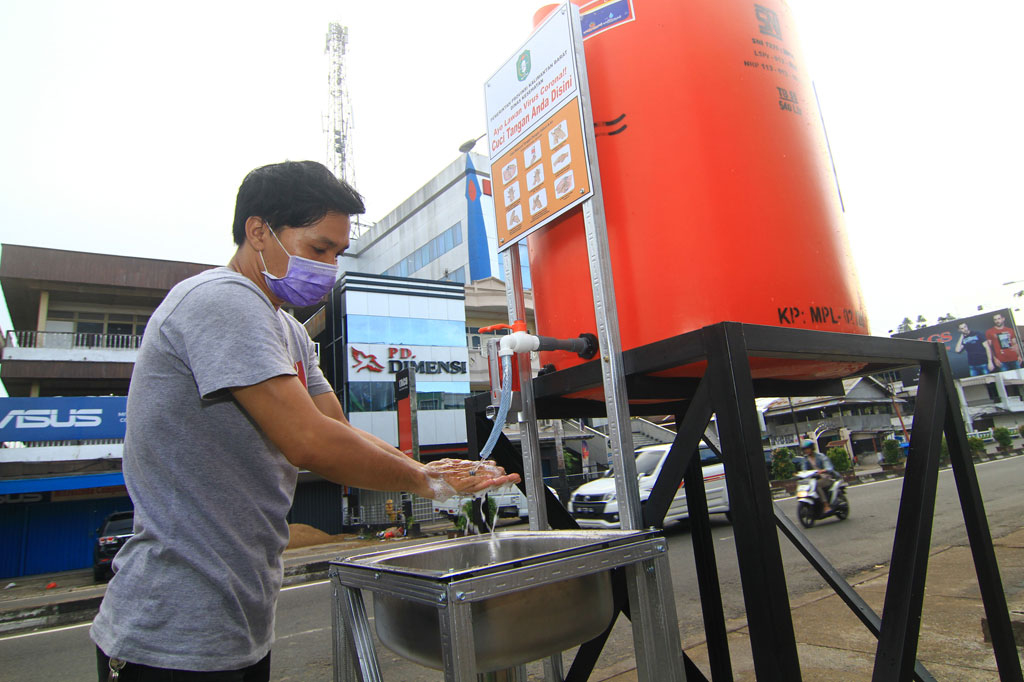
1003 437
922 322
840 459
948 317
782 465
891 451
905 326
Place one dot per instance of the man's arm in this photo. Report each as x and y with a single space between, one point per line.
311 440
328 405
959 345
988 352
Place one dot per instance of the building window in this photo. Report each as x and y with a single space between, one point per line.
108 330
407 331
456 276
428 253
524 262
379 396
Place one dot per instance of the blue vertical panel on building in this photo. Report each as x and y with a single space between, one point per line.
476 239
45 537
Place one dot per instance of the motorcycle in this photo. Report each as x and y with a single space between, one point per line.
809 505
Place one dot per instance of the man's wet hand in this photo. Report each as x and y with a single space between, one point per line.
449 477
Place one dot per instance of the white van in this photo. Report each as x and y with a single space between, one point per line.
593 504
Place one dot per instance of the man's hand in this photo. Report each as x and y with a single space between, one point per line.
450 477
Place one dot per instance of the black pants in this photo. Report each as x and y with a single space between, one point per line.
132 672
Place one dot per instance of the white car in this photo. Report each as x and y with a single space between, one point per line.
511 503
593 504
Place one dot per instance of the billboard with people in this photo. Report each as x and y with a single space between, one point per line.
981 344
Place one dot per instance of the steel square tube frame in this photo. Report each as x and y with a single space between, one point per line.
727 347
354 654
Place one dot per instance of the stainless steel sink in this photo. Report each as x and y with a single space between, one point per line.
508 629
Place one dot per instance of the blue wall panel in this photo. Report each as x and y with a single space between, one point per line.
46 537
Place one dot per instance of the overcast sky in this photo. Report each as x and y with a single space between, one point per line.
126 127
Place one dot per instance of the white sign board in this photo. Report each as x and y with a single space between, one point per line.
540 163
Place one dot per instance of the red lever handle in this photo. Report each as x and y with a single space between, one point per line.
517 326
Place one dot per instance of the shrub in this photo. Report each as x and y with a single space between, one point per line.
1020 430
943 453
891 451
1003 437
782 465
977 446
573 463
840 459
462 519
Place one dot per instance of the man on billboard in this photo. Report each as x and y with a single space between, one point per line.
979 354
1003 345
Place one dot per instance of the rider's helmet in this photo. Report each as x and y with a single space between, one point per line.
807 444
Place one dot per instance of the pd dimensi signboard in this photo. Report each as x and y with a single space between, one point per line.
540 161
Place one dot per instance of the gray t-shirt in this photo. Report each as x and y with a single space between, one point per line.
197 585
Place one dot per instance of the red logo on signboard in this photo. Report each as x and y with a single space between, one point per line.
365 361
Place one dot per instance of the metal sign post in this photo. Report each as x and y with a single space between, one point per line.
658 650
537 130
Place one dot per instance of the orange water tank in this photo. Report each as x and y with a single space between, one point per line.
720 198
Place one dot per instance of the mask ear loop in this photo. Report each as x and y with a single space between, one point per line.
266 270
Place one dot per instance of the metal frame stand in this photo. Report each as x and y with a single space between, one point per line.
355 658
727 388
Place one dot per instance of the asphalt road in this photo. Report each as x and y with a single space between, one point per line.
303 648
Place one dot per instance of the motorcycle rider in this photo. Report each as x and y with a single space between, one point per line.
816 461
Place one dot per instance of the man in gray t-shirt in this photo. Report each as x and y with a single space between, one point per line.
226 403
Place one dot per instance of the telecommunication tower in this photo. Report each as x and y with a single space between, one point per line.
338 123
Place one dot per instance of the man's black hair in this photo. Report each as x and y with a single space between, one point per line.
292 194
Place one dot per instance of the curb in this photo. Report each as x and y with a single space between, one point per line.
81 610
50 615
84 609
779 493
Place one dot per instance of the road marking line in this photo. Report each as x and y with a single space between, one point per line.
46 632
299 587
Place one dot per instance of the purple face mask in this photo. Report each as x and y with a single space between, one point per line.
305 282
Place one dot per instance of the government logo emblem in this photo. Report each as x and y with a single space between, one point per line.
523 65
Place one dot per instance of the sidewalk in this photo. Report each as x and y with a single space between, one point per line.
835 646
29 605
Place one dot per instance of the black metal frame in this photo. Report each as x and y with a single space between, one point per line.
727 389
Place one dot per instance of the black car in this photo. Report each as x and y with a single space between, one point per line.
110 537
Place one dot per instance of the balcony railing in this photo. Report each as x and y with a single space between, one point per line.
36 339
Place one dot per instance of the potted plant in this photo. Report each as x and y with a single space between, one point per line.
943 453
891 455
977 446
783 469
1003 438
842 462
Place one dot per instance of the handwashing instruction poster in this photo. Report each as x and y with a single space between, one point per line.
539 163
